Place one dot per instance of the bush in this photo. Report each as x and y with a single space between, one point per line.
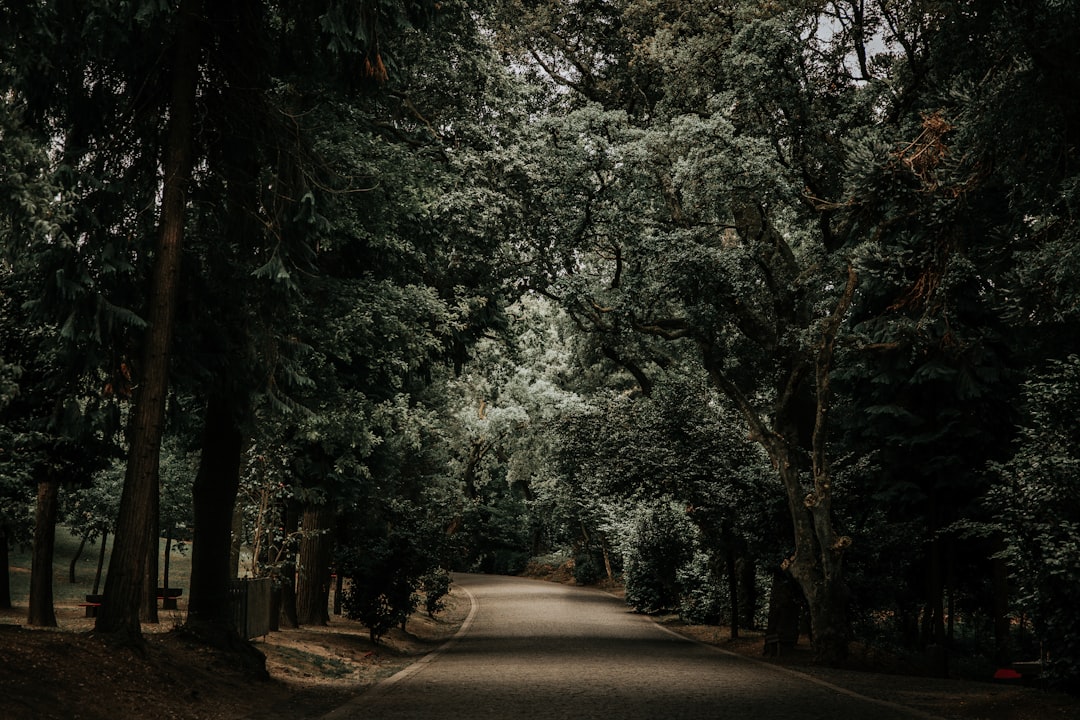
436 586
588 569
704 599
382 593
659 544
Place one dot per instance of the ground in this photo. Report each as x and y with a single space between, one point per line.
69 673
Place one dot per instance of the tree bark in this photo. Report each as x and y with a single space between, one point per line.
100 561
5 573
149 611
214 497
748 591
75 560
42 613
238 543
1002 621
817 563
286 574
119 614
313 587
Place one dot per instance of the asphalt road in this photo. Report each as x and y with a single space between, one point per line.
538 650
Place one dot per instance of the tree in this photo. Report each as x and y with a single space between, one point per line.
123 584
705 225
1034 508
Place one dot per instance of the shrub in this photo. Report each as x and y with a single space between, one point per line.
588 569
704 599
659 544
436 586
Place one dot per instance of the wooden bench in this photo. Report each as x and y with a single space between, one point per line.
168 596
93 602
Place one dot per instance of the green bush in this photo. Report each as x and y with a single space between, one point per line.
658 546
588 569
704 598
436 586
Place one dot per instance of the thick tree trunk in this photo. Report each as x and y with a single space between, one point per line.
748 591
42 613
5 571
817 563
149 612
316 545
214 497
784 610
119 614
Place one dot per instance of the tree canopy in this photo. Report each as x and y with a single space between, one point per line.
763 308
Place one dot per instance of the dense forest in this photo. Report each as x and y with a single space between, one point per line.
767 309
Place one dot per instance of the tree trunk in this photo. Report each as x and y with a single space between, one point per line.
100 561
1002 621
287 572
748 595
5 571
119 614
339 588
934 638
313 587
166 558
75 560
42 613
214 497
817 564
730 564
784 610
238 543
149 611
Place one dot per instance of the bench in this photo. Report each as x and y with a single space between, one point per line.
93 602
168 596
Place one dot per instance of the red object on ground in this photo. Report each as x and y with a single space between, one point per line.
1007 674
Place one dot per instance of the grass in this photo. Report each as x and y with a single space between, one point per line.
328 667
66 592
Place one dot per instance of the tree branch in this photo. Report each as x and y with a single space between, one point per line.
823 367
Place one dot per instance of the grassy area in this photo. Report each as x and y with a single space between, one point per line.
66 592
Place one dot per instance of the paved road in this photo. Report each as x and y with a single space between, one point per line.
536 650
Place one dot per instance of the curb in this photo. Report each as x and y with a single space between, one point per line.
353 707
913 712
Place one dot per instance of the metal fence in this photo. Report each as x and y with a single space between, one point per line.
250 599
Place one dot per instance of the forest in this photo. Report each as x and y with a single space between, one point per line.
766 308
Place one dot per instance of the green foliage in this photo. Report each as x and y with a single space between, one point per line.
703 599
657 545
1036 509
386 563
588 568
436 586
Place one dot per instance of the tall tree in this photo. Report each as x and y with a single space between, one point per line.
131 542
700 219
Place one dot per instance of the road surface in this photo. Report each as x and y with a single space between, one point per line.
538 651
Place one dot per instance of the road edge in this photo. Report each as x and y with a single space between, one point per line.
355 704
914 712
